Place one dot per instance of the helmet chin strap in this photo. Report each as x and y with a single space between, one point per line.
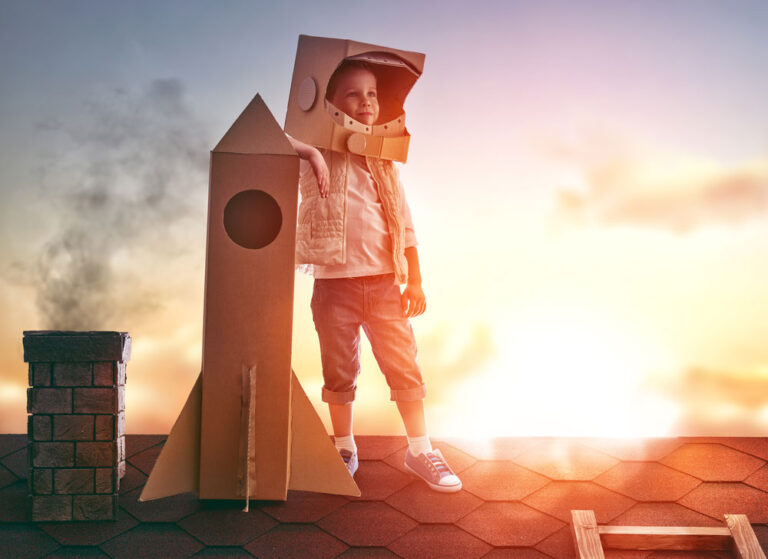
391 129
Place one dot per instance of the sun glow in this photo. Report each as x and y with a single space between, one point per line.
564 372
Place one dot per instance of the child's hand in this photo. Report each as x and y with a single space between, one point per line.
413 300
322 175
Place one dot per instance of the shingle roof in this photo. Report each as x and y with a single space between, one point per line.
516 503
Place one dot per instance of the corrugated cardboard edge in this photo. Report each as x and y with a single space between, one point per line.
315 462
177 469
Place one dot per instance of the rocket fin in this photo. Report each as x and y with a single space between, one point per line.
177 469
315 462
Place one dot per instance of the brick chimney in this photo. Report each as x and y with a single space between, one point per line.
76 402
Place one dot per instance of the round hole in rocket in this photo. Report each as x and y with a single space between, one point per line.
252 219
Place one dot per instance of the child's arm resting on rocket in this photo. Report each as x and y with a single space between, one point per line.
315 158
413 300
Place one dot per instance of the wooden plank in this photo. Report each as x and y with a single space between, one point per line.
586 537
745 544
665 537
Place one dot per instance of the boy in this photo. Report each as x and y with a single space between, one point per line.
356 284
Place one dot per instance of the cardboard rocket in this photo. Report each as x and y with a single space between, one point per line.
248 429
312 119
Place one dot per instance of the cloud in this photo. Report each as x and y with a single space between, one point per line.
718 402
627 185
445 360
129 170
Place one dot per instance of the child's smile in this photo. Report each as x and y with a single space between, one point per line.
356 95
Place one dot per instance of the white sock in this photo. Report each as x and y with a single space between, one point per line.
417 445
347 442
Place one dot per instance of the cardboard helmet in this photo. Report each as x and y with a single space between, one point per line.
313 119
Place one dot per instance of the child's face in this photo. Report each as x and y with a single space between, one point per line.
356 95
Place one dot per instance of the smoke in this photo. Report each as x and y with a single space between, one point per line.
132 170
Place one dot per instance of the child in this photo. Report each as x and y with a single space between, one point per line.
356 278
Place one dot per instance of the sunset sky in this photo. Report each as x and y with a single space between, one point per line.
588 181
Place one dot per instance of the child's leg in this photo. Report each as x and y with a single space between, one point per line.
394 347
413 418
341 419
337 315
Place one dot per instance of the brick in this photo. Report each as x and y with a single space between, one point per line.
96 454
104 373
105 428
72 374
42 481
121 374
73 481
105 480
95 400
94 507
39 374
73 427
53 455
121 398
39 427
61 346
49 400
54 507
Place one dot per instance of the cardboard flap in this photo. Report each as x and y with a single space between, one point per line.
255 132
177 469
315 462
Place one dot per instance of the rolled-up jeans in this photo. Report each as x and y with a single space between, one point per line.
340 306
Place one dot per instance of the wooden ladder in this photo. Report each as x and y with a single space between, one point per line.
737 536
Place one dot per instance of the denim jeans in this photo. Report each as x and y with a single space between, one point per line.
339 308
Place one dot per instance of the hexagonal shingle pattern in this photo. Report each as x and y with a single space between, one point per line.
509 501
501 481
367 553
515 553
25 541
367 523
559 544
378 480
509 524
495 449
296 540
663 514
161 541
227 527
643 481
561 459
759 479
88 533
446 542
145 459
6 477
713 462
303 506
378 448
559 498
427 506
635 449
170 509
717 499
